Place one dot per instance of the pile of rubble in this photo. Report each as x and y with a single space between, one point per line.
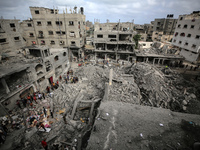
164 88
160 49
71 120
145 84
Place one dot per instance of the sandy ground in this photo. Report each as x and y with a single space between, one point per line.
122 126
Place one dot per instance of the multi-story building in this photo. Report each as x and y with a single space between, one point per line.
145 31
163 29
49 27
89 25
10 35
149 31
114 40
33 69
187 36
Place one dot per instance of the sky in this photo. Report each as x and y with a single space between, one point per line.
138 11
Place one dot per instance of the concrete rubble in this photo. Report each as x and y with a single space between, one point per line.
148 85
76 105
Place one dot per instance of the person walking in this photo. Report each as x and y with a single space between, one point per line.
44 144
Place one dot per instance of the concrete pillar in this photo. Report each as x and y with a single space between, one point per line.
95 55
147 59
3 81
41 53
163 61
106 92
106 47
110 76
105 57
154 61
159 61
91 112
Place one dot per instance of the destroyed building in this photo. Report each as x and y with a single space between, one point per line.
97 104
187 36
56 30
145 31
29 71
114 40
11 37
163 29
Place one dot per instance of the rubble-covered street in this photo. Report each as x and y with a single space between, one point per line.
124 119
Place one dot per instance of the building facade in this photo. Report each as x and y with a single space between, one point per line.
114 40
187 36
163 29
56 30
32 70
10 35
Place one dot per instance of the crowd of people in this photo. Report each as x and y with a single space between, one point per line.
28 100
69 78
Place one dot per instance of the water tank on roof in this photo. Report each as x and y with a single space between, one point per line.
170 15
82 10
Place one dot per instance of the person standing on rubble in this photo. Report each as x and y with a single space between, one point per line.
39 96
66 80
51 113
48 89
23 101
18 104
34 98
29 97
45 112
42 126
43 95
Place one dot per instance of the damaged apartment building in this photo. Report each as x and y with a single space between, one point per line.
114 40
10 35
163 28
31 70
56 30
187 36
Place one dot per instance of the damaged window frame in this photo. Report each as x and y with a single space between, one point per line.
37 12
99 35
58 23
31 34
12 25
17 38
39 23
3 40
52 42
50 32
49 23
71 23
29 24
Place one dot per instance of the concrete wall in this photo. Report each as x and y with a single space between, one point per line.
38 76
66 38
189 56
181 36
11 34
145 44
